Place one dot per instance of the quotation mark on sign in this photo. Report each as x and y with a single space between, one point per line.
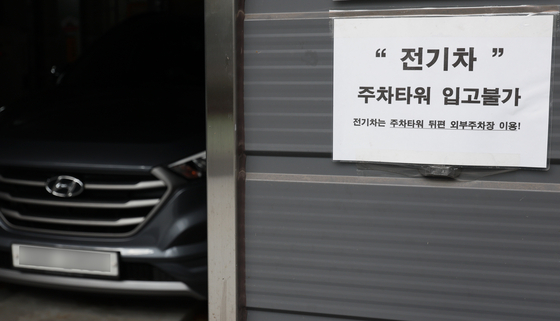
380 53
497 51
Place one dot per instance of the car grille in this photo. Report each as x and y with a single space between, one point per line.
110 204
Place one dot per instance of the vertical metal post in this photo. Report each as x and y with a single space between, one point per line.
223 23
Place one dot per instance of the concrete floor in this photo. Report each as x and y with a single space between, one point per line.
19 303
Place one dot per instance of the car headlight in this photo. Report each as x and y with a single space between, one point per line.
191 167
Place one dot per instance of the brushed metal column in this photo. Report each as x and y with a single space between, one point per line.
224 103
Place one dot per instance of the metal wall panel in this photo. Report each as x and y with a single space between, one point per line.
393 249
279 316
308 6
288 87
332 241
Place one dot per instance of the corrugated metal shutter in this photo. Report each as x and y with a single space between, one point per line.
327 241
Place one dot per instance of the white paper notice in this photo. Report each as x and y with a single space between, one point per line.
466 90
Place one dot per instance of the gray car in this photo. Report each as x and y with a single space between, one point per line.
102 180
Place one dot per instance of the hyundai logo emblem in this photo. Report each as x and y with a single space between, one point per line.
64 186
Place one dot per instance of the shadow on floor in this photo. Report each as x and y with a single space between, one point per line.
21 303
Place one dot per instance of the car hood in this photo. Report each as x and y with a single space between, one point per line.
128 128
131 157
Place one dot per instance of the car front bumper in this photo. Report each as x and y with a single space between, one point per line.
160 288
167 256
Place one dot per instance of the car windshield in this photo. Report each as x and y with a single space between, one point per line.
142 82
151 50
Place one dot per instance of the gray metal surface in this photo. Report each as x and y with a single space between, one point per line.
378 248
338 241
223 103
119 222
282 316
298 6
127 204
288 84
137 186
